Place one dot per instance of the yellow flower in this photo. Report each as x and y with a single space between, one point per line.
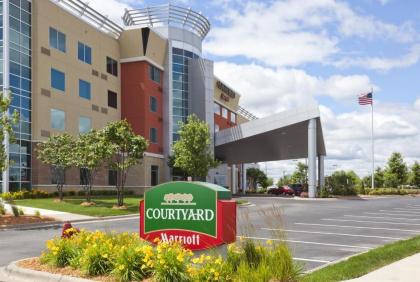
241 238
269 242
121 267
156 240
218 261
216 274
196 260
180 258
212 270
105 255
162 261
208 258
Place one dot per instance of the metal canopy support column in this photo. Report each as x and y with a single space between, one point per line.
243 169
321 178
312 154
234 178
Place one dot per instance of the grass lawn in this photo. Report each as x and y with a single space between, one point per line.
103 205
367 262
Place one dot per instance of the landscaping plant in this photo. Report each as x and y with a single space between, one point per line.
15 210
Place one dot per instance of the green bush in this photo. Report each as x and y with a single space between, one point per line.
21 212
393 191
2 209
37 213
61 253
15 211
40 194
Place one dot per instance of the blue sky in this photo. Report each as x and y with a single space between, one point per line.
285 54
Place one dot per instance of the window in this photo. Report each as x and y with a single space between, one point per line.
224 113
154 175
85 124
58 119
58 80
84 53
232 117
111 66
112 177
154 74
112 99
216 128
153 104
153 135
84 89
57 40
217 109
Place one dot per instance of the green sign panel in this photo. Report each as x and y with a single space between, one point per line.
187 206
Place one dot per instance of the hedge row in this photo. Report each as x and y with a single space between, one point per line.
39 194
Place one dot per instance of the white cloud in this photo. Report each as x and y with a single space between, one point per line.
114 9
266 90
291 33
381 63
417 104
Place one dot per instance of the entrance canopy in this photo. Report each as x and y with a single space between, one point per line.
281 136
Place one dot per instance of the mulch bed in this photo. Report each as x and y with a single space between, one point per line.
10 220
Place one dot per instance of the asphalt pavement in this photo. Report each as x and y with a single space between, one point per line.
318 232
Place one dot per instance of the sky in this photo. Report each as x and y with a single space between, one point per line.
280 55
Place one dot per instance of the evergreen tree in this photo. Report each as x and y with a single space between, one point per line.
396 171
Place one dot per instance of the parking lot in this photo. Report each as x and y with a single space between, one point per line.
321 231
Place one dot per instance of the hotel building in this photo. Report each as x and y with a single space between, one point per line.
71 69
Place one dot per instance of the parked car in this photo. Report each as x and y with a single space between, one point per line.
285 190
271 187
297 188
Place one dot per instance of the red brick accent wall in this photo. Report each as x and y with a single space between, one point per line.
222 122
136 90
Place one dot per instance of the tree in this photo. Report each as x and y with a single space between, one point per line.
127 148
192 151
6 127
396 171
57 152
256 176
342 183
415 174
300 175
91 151
285 180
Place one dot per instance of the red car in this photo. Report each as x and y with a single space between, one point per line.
285 190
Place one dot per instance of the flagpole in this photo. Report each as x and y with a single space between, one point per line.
373 147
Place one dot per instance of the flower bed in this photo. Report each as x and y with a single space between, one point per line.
126 257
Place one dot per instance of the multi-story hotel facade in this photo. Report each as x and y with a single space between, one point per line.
70 69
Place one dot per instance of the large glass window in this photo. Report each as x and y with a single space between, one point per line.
224 113
84 89
57 40
232 117
58 80
153 135
84 53
153 104
154 73
111 66
217 109
112 99
58 119
85 124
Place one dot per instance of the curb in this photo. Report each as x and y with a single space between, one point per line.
16 273
60 223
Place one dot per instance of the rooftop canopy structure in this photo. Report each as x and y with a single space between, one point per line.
288 135
168 15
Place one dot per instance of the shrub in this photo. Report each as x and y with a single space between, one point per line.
15 210
171 262
97 256
37 213
324 192
2 209
133 262
60 252
209 268
20 211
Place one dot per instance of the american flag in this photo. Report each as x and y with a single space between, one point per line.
366 99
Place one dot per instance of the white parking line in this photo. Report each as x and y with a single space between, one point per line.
308 242
407 209
312 260
368 221
381 213
403 212
331 233
416 206
357 227
384 217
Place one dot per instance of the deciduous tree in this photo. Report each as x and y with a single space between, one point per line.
192 151
6 127
127 148
396 171
415 174
58 153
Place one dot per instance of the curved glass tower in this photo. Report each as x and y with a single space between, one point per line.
185 30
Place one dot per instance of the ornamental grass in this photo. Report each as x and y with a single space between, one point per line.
126 257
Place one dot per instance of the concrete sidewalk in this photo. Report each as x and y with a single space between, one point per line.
59 216
405 270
